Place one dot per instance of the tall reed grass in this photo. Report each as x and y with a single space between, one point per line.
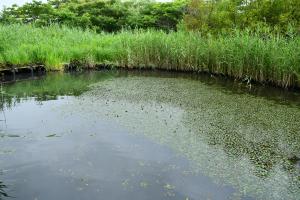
243 55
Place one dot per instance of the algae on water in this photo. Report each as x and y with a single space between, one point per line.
243 140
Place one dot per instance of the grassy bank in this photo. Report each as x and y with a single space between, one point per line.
242 55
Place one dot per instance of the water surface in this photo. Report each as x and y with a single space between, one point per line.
148 135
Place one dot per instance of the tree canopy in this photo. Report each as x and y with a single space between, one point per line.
101 15
200 15
220 15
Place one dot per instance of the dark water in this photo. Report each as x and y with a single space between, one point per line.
149 135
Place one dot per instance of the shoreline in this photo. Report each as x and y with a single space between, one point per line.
38 70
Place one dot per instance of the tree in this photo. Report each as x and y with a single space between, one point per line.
101 15
219 15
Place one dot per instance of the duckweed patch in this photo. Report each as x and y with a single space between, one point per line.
238 139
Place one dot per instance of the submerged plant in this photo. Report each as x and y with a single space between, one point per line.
2 190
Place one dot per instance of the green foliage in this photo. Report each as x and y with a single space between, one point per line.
220 15
212 16
101 15
241 54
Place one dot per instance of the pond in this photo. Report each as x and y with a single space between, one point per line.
147 135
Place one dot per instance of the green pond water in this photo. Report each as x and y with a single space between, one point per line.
148 135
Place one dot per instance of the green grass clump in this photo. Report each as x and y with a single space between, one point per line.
243 55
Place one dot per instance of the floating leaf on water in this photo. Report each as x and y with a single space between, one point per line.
144 184
52 135
169 187
12 135
125 183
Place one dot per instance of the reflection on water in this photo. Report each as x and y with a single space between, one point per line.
149 135
51 86
73 84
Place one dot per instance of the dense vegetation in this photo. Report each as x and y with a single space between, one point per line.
241 54
245 39
206 16
112 15
225 15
